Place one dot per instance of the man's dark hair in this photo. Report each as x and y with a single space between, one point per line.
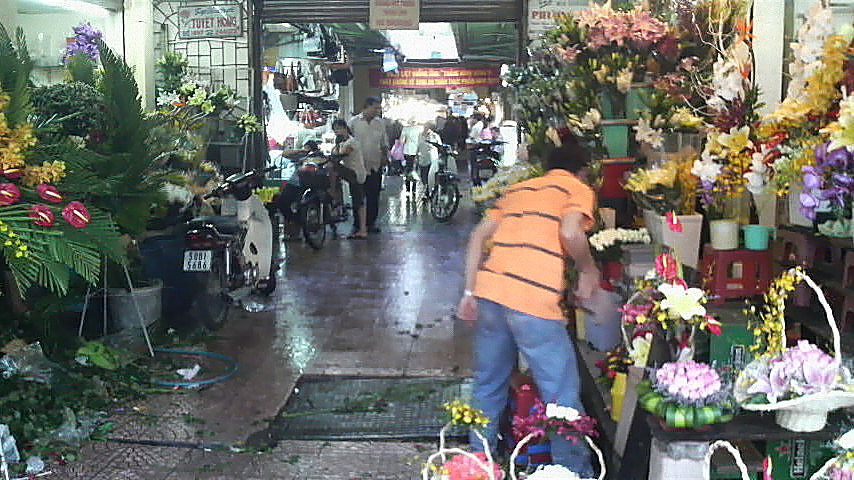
570 156
371 101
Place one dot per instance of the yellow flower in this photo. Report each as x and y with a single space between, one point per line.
48 172
463 414
736 140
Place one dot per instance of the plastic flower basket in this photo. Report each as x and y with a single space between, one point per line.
430 472
806 413
745 475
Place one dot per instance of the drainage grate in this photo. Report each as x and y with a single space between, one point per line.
346 408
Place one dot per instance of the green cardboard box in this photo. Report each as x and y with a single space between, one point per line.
797 459
730 352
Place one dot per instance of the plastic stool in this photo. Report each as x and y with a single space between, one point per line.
795 247
848 272
755 273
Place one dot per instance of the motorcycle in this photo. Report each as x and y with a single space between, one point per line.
318 207
232 255
445 194
486 161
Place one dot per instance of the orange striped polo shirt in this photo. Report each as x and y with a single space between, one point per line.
525 267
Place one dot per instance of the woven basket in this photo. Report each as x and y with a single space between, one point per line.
745 475
428 474
809 412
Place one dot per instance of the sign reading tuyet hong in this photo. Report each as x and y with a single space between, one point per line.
543 14
212 21
394 14
445 77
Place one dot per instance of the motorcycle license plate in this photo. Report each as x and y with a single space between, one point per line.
197 260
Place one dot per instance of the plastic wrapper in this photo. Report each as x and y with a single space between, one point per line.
30 364
74 431
8 446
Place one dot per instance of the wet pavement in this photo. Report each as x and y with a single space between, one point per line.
381 307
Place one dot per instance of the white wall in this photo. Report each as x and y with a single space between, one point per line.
8 15
47 32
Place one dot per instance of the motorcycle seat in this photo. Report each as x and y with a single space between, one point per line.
224 225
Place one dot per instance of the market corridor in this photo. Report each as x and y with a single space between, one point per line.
382 307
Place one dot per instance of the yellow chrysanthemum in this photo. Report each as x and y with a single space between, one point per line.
463 414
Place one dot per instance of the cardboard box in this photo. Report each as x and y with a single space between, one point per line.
797 459
730 351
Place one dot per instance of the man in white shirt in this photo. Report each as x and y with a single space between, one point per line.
476 126
370 131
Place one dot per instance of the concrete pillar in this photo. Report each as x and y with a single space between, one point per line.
9 15
768 28
139 53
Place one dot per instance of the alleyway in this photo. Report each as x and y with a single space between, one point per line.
378 308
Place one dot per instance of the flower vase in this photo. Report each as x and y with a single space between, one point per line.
685 244
766 207
724 234
613 105
618 394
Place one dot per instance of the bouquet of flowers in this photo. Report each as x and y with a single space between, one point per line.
504 178
801 384
686 395
664 302
463 465
606 243
563 421
830 180
615 361
669 187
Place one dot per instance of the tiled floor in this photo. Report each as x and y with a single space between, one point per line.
381 307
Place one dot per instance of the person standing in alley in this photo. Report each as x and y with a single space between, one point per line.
512 294
370 131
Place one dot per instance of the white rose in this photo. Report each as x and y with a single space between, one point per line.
551 410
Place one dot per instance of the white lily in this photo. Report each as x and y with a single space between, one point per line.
846 441
682 302
706 170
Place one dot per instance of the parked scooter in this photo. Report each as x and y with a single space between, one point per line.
318 206
232 254
486 160
445 195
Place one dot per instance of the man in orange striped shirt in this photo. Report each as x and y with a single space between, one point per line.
512 296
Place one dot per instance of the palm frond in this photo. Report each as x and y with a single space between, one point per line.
15 68
124 106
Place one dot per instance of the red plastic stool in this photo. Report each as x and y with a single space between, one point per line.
721 281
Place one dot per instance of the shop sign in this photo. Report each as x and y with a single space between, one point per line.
446 77
394 14
212 21
543 14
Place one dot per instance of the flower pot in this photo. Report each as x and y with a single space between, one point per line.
616 138
766 207
756 237
724 234
123 312
685 244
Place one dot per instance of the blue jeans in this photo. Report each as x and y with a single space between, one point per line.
499 332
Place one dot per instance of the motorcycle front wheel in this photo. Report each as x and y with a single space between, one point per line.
210 305
313 226
444 202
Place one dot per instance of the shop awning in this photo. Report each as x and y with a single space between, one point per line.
356 11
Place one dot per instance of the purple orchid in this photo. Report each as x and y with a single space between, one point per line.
839 158
812 178
85 42
808 205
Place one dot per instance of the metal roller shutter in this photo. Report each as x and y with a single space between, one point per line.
356 11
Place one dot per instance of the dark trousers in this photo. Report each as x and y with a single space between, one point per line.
287 197
373 186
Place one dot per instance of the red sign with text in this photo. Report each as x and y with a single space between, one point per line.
439 77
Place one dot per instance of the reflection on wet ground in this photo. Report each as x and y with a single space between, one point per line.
382 307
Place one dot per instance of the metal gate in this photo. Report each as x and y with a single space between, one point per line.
356 11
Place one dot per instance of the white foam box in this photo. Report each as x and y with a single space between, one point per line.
664 467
